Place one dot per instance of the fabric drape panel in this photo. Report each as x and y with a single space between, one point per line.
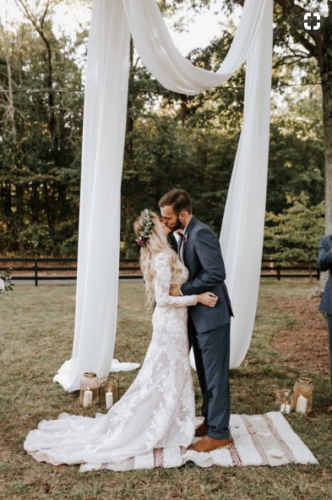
99 227
165 62
242 230
103 143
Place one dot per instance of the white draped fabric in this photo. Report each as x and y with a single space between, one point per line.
103 143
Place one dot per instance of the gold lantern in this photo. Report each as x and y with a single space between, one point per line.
89 389
109 390
302 396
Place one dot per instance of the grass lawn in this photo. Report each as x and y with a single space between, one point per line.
36 325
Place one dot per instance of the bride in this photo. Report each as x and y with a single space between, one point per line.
158 409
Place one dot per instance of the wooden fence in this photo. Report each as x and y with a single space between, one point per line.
66 269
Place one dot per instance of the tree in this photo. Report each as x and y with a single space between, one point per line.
317 45
291 236
171 140
40 169
38 16
296 45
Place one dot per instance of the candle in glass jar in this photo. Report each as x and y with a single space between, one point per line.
87 401
282 407
301 405
287 408
109 399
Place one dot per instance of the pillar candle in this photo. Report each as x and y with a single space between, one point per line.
109 399
301 405
87 400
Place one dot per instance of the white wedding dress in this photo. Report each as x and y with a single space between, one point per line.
157 411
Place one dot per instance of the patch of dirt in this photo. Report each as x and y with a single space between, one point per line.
306 344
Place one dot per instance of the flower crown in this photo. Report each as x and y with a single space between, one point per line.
148 224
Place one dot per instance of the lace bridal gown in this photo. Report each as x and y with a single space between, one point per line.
157 411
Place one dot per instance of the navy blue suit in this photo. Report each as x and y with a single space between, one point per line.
209 328
172 242
324 263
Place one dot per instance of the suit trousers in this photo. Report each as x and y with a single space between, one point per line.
329 324
212 357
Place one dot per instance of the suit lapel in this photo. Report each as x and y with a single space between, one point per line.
191 225
186 236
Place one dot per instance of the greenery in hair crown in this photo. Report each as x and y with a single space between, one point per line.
148 224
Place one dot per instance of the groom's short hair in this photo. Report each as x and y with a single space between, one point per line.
178 199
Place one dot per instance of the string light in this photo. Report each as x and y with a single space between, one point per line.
63 91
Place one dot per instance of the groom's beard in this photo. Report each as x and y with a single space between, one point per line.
178 225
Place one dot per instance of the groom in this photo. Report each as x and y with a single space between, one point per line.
208 328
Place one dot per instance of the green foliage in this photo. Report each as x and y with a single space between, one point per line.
293 235
171 140
40 164
296 159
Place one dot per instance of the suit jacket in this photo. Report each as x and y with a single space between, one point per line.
324 263
172 242
202 256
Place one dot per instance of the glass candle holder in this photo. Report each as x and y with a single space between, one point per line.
280 397
288 400
302 396
89 389
284 400
109 390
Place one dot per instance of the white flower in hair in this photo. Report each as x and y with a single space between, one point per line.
147 229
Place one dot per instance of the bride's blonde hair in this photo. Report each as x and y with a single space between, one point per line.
153 245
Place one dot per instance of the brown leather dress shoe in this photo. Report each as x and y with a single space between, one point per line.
209 444
201 430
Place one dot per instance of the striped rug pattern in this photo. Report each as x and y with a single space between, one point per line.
257 440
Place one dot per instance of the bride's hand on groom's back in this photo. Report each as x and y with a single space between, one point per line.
208 299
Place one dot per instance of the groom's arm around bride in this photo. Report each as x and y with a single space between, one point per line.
202 256
207 273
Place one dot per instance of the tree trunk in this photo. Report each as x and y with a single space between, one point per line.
326 78
38 19
9 94
325 66
184 109
63 208
128 160
49 80
48 211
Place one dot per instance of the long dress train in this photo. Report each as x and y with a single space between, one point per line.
157 411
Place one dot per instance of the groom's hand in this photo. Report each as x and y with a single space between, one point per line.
175 291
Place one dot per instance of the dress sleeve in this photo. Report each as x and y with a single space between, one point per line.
162 285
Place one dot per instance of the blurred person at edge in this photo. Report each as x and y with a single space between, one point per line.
324 263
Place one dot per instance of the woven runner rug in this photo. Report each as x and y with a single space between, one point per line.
257 440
